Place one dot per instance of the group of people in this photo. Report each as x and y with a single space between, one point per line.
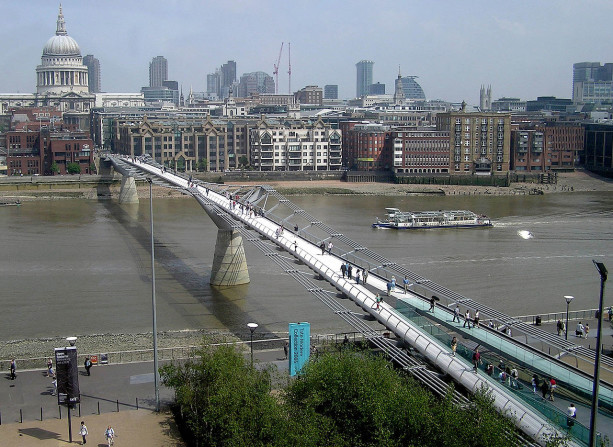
468 318
109 434
326 248
547 387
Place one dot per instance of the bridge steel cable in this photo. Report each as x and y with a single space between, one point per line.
525 419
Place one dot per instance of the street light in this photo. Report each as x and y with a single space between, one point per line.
252 327
602 271
155 330
568 299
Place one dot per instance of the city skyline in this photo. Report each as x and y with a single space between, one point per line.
522 49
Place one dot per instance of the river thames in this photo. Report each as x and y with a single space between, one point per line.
83 267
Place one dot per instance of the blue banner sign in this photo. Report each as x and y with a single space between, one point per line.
299 346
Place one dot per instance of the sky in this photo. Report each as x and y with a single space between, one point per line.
521 48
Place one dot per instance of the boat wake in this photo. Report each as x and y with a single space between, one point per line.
525 234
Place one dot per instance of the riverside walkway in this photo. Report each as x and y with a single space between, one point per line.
265 218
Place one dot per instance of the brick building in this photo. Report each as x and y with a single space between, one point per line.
545 147
479 143
419 151
364 146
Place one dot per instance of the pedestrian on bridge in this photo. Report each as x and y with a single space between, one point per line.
571 415
467 318
365 276
357 277
323 247
13 369
476 359
330 246
454 346
349 271
389 288
406 283
456 314
587 329
476 319
579 330
432 303
343 269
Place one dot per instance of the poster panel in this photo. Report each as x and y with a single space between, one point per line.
299 346
67 376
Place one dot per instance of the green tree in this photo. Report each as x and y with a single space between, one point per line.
55 168
223 400
202 165
92 168
73 168
243 161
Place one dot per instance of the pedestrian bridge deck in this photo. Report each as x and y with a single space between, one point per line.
304 245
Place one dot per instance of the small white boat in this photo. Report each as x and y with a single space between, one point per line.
409 220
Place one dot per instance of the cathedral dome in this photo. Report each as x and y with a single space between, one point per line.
61 44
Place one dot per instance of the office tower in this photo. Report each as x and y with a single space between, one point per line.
158 71
376 89
592 82
331 91
93 73
227 78
412 90
256 82
213 83
364 77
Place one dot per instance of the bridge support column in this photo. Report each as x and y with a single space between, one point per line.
128 193
229 262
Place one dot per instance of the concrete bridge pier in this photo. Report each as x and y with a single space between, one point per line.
229 262
128 193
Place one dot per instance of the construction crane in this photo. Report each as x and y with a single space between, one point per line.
289 71
276 69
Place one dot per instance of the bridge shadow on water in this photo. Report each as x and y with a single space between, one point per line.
223 303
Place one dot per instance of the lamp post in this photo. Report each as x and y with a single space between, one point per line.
568 299
252 327
155 330
602 271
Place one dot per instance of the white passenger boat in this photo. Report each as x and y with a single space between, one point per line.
409 220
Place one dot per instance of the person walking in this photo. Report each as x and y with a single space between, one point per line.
83 432
467 318
454 346
323 248
514 377
49 367
535 383
349 270
285 349
587 329
545 387
343 269
476 359
109 434
378 301
54 383
432 303
553 387
579 330
456 314
357 277
330 246
88 365
571 415
393 283
13 369
405 283
560 327
365 276
476 319
389 288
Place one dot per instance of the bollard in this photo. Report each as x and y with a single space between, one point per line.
60 408
98 408
117 405
0 418
79 409
137 403
41 414
20 416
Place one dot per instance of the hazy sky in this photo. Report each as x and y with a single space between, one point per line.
522 48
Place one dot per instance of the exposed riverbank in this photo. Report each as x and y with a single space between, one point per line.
578 181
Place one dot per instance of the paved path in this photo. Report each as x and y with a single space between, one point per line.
108 387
